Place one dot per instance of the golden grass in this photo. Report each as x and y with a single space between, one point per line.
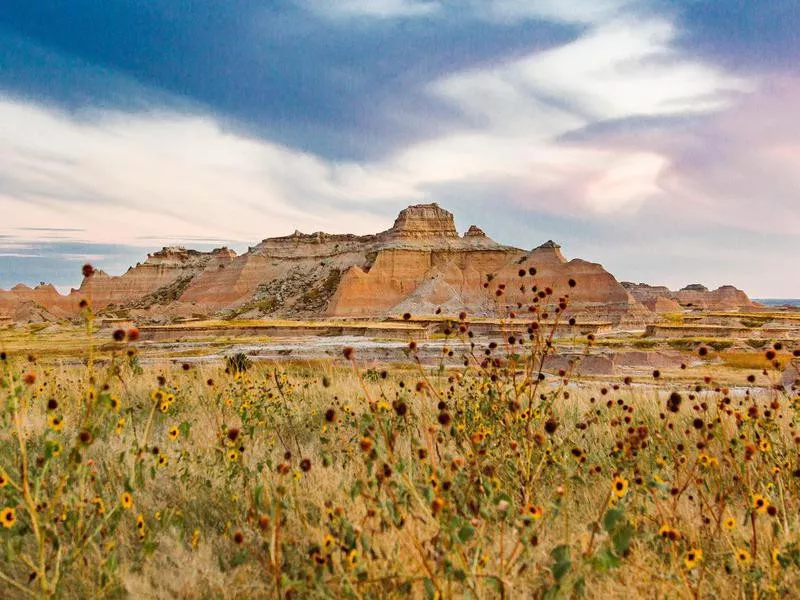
326 480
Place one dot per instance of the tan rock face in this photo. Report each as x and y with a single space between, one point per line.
422 221
696 295
419 265
43 302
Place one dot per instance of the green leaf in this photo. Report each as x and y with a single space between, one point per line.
430 590
622 538
560 569
560 555
605 560
610 518
466 533
356 489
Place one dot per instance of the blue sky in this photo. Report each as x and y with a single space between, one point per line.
660 138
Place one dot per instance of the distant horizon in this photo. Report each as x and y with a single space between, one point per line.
139 254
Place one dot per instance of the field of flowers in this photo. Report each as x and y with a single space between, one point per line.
266 480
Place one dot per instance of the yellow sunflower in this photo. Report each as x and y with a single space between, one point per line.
619 486
8 516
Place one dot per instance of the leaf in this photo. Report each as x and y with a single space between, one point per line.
430 590
610 518
605 560
622 538
356 489
560 555
560 569
466 533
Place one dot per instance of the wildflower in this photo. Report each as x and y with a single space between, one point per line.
366 444
776 557
764 445
708 461
3 479
120 425
692 558
437 505
619 486
238 537
173 432
263 522
760 504
668 533
8 516
743 557
162 460
114 403
140 525
531 512
233 455
55 422
352 558
100 504
729 523
126 500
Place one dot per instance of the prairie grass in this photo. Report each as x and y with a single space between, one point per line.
332 480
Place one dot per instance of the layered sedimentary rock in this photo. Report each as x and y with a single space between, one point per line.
420 265
159 280
43 302
662 299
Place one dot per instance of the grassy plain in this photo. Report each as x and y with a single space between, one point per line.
126 478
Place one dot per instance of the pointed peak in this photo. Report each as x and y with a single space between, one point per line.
474 231
549 244
549 251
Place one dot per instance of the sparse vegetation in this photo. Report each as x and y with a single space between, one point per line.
343 480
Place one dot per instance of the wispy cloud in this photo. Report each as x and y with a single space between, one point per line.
602 116
380 9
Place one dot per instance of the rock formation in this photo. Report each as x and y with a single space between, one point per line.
662 299
419 265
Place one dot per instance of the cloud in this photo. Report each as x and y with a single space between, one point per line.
519 112
379 9
574 11
162 174
564 113
117 176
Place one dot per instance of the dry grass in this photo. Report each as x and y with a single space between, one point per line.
482 481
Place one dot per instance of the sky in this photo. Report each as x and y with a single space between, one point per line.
660 138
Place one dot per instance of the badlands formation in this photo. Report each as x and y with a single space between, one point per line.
421 265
